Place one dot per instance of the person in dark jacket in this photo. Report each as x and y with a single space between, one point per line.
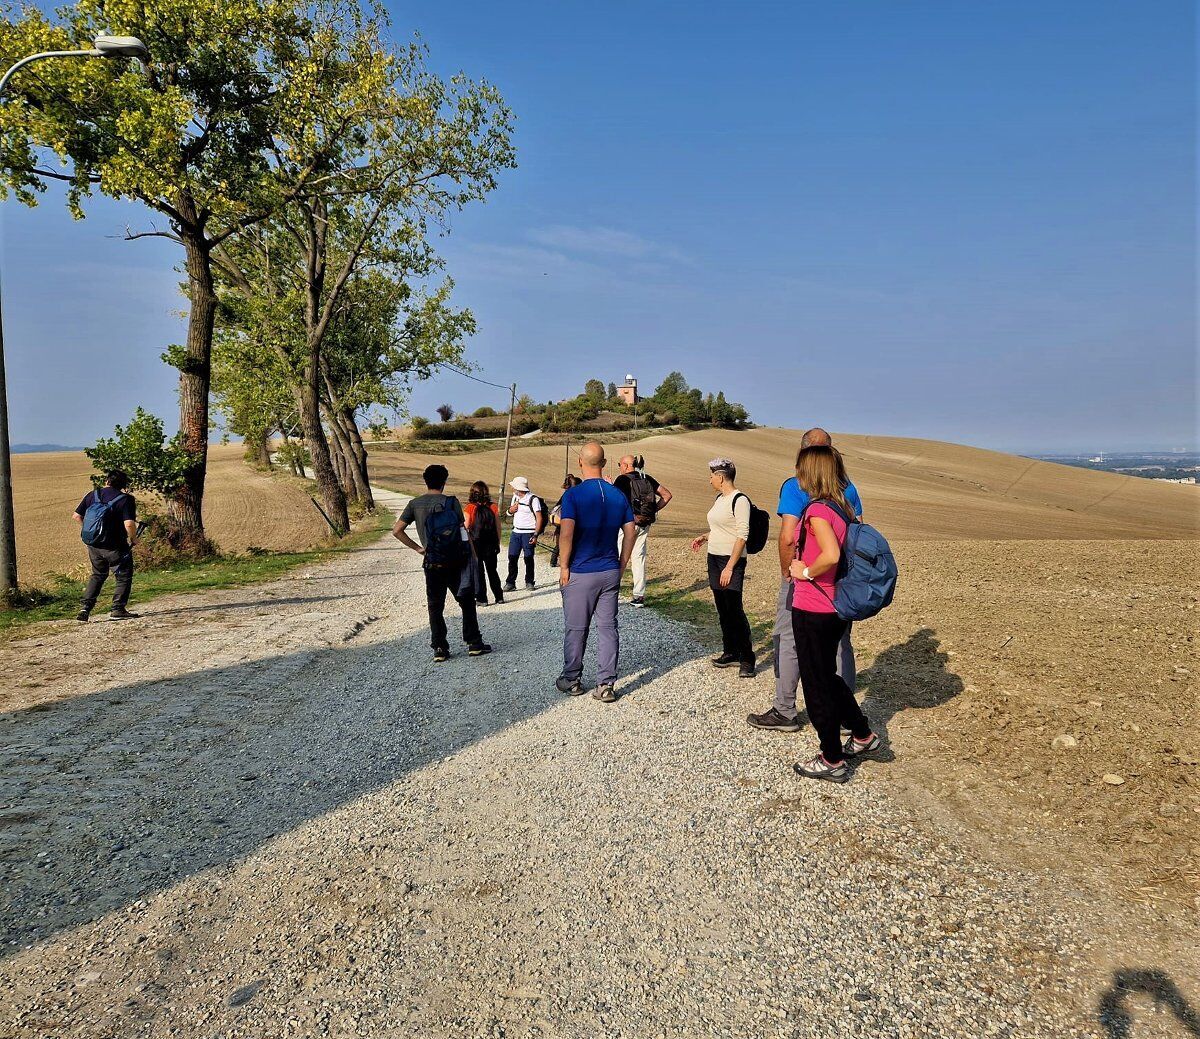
483 521
113 550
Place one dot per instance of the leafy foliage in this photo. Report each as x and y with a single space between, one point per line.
141 449
445 412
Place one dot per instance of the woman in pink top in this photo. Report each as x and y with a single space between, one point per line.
816 624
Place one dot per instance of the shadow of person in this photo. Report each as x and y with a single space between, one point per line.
911 674
1114 1014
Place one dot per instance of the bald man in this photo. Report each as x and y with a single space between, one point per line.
792 501
593 517
647 497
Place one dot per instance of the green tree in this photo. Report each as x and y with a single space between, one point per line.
594 388
674 385
612 391
142 450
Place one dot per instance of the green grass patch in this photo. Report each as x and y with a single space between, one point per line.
60 598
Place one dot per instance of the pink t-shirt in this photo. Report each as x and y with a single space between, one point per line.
804 595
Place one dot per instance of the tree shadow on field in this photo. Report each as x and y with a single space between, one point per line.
910 674
1114 1014
113 796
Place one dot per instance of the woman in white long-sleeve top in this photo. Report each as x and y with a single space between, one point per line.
728 531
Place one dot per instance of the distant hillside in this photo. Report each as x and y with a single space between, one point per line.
911 488
30 449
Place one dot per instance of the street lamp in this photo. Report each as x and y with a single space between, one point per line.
102 47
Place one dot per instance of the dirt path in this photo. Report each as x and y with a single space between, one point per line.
263 812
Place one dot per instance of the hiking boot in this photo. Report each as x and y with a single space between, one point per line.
637 602
725 660
530 586
605 694
772 719
855 748
819 768
83 616
482 602
746 669
510 587
499 600
478 649
570 686
119 613
440 656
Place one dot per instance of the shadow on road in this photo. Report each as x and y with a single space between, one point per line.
219 607
110 797
1113 1010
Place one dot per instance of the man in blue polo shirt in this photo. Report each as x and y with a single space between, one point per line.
792 502
592 517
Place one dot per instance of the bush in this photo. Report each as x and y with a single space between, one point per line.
163 545
460 430
419 422
484 412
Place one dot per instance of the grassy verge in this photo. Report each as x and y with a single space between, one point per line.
61 599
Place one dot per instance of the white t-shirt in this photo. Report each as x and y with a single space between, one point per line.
525 518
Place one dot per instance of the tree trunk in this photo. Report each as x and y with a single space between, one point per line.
330 489
186 508
258 449
356 486
337 451
360 454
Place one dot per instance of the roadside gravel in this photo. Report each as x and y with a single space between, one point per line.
276 817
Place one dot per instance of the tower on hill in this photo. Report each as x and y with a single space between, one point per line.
627 391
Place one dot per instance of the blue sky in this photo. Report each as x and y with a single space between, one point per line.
959 221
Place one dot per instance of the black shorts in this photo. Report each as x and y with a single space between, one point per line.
716 564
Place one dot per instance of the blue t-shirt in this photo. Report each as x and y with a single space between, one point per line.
792 499
599 511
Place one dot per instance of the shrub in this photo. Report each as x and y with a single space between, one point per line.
163 545
445 412
460 430
419 422
484 412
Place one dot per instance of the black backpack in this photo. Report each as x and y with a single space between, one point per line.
442 537
643 498
760 526
483 529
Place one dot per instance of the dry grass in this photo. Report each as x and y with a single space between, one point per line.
912 488
242 508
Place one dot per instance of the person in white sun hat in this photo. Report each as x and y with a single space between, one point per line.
528 514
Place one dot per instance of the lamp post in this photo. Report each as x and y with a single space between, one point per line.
116 47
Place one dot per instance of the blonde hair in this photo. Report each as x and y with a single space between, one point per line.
822 476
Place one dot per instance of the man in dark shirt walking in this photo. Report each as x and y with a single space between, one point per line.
448 561
113 549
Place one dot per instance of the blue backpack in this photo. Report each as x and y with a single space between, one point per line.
97 519
442 537
866 573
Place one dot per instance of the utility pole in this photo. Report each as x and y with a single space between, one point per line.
103 47
503 510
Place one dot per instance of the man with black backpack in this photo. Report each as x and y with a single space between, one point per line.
107 519
448 561
647 497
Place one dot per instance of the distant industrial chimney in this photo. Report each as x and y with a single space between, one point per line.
628 391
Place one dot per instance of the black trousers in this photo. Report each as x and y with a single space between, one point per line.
438 581
487 572
120 562
831 706
736 639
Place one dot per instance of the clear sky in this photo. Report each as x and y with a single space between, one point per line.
959 221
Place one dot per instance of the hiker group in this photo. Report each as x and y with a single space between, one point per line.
834 568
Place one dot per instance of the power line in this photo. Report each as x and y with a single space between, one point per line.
473 378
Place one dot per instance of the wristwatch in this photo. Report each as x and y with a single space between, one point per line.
804 573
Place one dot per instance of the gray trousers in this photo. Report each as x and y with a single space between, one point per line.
587 596
787 668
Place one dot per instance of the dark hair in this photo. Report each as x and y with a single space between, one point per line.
480 495
571 481
436 476
639 462
118 479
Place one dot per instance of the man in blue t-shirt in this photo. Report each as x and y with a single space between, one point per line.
792 501
593 516
113 550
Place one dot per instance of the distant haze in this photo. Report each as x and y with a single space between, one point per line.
971 223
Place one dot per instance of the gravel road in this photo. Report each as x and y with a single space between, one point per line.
265 812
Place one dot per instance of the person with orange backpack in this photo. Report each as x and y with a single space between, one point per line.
483 521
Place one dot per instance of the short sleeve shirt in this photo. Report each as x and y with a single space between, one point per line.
417 511
792 500
805 596
124 511
599 512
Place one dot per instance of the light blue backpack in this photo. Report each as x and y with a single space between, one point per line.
866 573
97 519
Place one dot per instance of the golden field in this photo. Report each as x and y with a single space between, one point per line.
242 508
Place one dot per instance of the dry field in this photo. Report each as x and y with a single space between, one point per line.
1036 600
242 508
